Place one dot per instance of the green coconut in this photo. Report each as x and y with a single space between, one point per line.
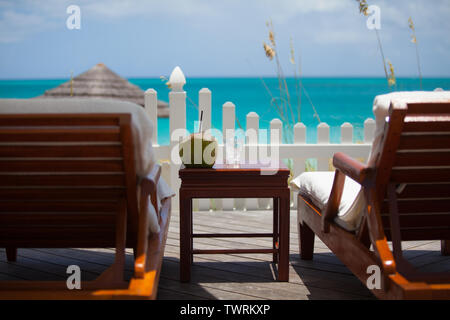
203 151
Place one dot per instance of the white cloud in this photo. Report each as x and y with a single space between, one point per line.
285 10
121 8
24 18
334 19
15 26
280 8
340 37
307 6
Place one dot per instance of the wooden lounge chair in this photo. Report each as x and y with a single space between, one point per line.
69 181
407 197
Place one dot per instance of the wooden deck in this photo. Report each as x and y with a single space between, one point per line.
237 276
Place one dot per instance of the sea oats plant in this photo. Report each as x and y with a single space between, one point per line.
169 85
364 10
71 83
391 77
414 40
287 109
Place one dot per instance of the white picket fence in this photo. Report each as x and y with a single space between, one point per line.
299 151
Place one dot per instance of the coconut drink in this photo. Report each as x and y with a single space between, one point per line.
198 150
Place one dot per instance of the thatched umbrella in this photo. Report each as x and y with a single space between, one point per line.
101 82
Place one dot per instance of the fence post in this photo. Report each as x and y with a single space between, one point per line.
298 164
323 137
252 128
228 126
252 140
177 114
276 129
204 104
346 133
228 121
369 130
151 107
276 138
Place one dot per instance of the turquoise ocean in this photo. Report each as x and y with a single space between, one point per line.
337 100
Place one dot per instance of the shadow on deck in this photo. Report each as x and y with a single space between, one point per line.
235 276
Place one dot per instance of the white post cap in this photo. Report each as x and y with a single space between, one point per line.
177 79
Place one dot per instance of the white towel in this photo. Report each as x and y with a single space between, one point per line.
350 217
142 129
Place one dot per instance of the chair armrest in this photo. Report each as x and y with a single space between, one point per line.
363 175
345 166
332 208
149 184
148 188
352 168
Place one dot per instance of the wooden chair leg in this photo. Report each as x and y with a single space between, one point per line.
445 247
306 242
115 273
11 254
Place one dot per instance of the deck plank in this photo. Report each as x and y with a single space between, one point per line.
233 276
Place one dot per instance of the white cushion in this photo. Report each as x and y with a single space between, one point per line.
142 129
381 106
350 212
316 186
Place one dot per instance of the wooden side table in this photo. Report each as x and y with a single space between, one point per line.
245 181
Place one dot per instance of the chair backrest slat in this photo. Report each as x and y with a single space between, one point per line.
420 170
429 175
422 158
428 108
60 151
59 120
62 176
63 134
62 165
51 193
64 180
425 190
421 141
415 124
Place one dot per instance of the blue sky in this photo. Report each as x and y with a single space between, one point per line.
210 38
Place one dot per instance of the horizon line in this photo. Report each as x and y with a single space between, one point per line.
247 77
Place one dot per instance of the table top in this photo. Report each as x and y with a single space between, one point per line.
243 168
232 176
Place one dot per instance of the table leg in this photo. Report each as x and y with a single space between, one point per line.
191 232
185 237
283 262
276 212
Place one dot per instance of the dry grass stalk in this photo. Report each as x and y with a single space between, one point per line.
364 10
270 52
414 40
282 103
391 78
71 83
363 7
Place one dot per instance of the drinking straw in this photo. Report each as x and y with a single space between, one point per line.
200 123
